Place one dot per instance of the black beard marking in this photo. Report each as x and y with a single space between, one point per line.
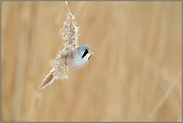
89 57
84 54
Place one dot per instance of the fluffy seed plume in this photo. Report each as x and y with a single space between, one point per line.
69 33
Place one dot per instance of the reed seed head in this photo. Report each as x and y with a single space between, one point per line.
69 33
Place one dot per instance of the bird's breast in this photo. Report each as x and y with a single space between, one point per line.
78 62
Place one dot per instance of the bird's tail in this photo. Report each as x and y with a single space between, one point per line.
48 80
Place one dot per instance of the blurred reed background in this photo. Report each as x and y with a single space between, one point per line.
134 75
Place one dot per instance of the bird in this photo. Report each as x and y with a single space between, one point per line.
79 60
81 57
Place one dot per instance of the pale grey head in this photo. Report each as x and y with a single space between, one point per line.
83 50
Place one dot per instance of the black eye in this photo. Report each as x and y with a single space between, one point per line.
84 54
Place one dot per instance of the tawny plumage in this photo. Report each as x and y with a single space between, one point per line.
48 80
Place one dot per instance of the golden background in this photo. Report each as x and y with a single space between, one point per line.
134 75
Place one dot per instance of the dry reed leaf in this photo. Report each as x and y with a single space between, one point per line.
164 98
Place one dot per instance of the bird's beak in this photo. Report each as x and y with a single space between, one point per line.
90 52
